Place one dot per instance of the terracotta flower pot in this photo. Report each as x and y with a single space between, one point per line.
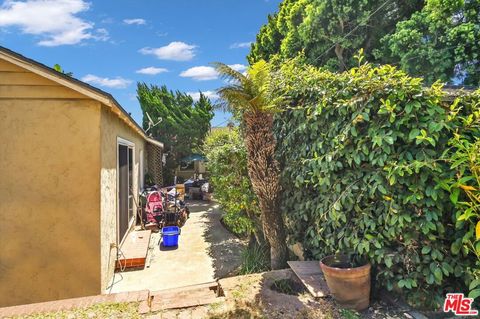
350 286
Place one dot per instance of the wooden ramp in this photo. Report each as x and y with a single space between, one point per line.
183 297
134 250
311 276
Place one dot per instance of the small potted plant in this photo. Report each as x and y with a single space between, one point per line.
348 278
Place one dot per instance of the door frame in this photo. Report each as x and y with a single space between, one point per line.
129 145
141 173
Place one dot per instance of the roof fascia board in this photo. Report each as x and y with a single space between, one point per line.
35 69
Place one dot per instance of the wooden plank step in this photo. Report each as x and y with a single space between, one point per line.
212 285
311 276
183 297
134 250
184 301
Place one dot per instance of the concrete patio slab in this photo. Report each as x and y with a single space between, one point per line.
206 251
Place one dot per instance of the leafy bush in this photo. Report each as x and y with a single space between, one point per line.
464 186
361 154
227 167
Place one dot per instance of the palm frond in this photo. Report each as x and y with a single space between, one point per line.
227 73
248 93
233 98
260 74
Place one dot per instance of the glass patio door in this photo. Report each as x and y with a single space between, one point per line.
125 197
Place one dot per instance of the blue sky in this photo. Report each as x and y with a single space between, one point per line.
113 44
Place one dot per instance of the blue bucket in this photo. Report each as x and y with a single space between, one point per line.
170 236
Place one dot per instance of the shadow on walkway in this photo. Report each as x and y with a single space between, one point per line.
224 247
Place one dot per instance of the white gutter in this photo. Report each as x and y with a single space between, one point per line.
154 142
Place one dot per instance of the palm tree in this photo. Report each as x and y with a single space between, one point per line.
246 95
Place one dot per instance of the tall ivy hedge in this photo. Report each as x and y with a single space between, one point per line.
362 159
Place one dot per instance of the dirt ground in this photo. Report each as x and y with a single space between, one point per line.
271 295
278 294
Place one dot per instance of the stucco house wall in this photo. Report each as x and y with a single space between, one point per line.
111 128
49 190
58 182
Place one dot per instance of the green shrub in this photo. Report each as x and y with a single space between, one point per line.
463 183
227 167
361 154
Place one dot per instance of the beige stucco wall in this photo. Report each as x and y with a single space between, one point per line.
58 189
49 193
112 128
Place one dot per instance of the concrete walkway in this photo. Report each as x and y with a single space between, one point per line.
206 251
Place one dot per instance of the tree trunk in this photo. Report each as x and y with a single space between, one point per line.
339 49
257 237
339 52
264 173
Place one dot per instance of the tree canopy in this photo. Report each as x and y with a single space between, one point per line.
434 39
329 32
184 124
440 42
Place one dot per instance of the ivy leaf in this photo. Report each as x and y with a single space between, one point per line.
426 250
454 195
408 284
474 284
382 189
388 262
377 140
408 108
337 206
413 134
389 140
447 268
474 293
438 274
354 132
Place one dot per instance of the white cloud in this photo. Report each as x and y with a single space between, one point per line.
205 73
175 51
238 67
212 95
151 70
101 35
115 83
55 21
240 45
108 20
137 21
200 73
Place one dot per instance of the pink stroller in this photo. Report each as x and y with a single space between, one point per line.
154 208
